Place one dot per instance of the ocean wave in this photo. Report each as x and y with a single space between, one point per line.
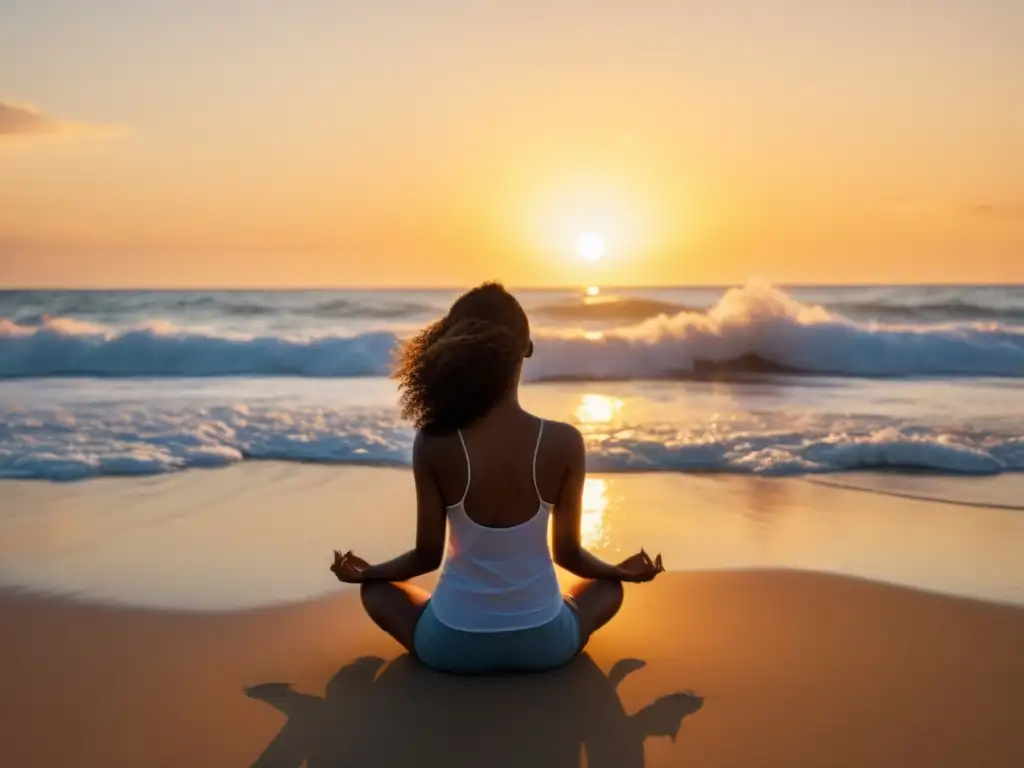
83 441
35 308
390 310
755 328
765 327
628 309
246 309
330 309
952 310
66 347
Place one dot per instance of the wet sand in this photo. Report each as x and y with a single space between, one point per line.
258 534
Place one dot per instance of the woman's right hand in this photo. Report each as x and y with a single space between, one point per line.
349 568
640 567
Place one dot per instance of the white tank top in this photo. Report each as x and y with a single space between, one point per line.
497 579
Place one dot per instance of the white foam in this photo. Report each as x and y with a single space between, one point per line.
81 441
63 346
763 321
754 320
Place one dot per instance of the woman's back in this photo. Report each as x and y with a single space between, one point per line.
507 450
498 574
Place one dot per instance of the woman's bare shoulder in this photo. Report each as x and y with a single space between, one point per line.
561 455
563 436
428 445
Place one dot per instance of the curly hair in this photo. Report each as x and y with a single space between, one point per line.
458 368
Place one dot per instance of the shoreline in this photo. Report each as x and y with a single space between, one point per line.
176 540
819 477
792 669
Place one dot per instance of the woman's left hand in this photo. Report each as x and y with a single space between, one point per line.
349 568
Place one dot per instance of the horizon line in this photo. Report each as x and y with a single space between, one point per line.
511 287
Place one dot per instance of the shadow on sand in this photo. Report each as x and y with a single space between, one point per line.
408 715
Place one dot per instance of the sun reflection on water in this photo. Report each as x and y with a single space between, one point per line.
597 409
595 503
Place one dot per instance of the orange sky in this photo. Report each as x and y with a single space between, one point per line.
441 143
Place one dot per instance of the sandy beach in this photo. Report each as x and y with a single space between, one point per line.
189 620
791 669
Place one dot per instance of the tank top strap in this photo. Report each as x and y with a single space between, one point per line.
536 450
469 469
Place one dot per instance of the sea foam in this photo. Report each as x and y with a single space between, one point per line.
761 323
757 326
82 440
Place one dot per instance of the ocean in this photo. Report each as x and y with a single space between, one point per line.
753 379
876 432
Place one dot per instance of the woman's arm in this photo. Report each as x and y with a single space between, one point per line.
430 528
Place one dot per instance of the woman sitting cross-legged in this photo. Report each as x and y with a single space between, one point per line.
492 475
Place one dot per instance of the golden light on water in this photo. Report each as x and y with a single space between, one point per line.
595 503
592 295
598 409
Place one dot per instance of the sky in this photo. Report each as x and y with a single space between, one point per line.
438 143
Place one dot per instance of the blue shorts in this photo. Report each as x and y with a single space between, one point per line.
473 653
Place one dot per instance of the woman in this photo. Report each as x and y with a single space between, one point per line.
495 474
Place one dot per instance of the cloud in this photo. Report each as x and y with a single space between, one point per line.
23 121
999 211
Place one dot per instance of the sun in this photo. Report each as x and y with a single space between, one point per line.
590 246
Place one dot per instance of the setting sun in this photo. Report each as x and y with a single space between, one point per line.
590 246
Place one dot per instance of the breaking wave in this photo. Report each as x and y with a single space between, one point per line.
756 328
